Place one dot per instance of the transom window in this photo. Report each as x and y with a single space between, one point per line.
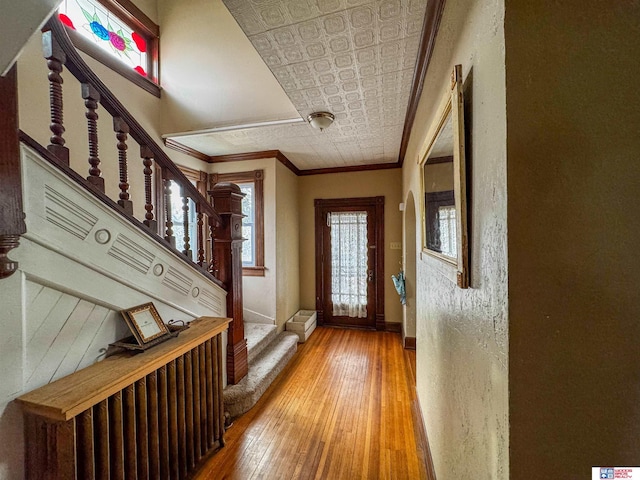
116 34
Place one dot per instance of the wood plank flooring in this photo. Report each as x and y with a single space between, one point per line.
344 408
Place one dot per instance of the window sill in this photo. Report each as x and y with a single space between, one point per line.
253 271
113 63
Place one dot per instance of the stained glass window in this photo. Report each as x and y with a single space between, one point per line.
99 25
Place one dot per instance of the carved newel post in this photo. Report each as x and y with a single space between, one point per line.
227 200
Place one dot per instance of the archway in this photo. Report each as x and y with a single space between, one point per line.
409 266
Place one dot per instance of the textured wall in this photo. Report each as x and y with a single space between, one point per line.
347 185
287 231
574 184
462 334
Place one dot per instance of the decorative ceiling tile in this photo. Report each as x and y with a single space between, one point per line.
354 58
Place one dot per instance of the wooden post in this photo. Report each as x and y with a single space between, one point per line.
227 200
11 215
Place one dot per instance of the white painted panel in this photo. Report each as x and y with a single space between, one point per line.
111 328
39 310
91 336
44 338
64 341
32 290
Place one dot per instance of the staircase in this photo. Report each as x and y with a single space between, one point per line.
268 354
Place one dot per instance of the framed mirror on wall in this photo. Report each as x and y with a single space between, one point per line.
443 186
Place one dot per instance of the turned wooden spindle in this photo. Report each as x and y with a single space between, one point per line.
200 235
55 60
147 160
122 130
168 236
91 98
213 266
185 223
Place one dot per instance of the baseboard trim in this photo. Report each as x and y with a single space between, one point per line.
410 343
392 327
421 435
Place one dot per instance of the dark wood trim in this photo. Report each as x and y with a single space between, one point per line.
241 157
354 168
427 44
287 163
393 327
113 63
257 178
179 147
132 16
433 161
410 343
227 199
321 205
81 181
11 211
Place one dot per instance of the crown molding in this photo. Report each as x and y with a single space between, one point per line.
427 43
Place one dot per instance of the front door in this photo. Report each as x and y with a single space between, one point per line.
349 250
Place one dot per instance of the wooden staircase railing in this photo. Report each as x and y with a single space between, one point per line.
153 415
60 53
156 165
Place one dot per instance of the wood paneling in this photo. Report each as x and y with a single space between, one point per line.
341 409
112 420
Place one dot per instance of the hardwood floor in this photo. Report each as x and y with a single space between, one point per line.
344 408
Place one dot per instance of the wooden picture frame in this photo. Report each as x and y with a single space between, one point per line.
444 148
145 323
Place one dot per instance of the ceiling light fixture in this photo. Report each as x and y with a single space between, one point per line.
321 120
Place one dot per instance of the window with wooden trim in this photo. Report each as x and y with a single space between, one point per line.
117 34
251 184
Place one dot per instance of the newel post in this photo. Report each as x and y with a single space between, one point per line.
227 200
11 214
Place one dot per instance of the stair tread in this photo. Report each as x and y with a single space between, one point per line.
265 368
259 336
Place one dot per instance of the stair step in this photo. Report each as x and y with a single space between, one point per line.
239 398
259 336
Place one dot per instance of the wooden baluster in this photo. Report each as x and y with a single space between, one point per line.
163 422
185 222
84 447
195 433
174 439
218 373
153 426
142 429
116 435
188 400
101 440
91 98
129 420
213 266
169 237
147 161
55 60
204 413
211 392
182 414
122 130
200 235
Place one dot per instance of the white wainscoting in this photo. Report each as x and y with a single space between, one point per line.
80 264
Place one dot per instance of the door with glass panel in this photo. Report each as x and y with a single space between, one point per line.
348 256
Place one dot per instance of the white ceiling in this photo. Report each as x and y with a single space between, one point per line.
353 58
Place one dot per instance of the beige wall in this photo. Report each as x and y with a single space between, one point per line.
461 335
346 185
287 238
574 184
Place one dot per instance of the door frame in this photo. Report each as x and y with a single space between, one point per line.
321 207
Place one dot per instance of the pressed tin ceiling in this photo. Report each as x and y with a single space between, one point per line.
353 58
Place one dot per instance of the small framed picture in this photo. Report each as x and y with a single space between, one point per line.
145 322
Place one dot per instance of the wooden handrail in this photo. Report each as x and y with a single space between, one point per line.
81 71
69 396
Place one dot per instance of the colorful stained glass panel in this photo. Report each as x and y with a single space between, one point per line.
96 23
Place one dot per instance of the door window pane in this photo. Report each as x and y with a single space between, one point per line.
349 263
